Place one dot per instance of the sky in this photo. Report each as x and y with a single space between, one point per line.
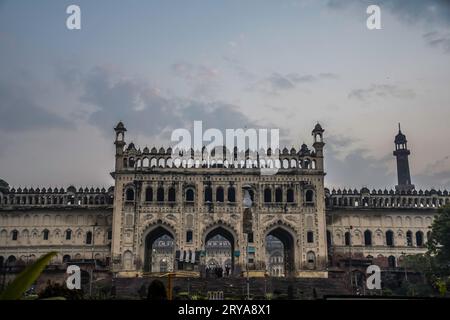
161 65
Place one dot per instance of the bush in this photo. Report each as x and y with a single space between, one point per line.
53 290
156 291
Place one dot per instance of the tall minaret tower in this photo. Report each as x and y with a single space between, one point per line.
120 143
402 153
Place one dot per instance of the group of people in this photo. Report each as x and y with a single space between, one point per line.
218 271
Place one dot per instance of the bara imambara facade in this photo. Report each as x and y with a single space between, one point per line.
200 216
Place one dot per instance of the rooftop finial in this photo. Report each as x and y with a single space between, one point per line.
399 130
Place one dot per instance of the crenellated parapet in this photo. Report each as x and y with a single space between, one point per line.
131 158
12 198
364 198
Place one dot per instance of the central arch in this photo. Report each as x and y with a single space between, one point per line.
163 247
228 235
288 251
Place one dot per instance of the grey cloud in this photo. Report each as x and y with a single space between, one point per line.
439 40
328 75
277 82
381 91
356 168
193 72
435 175
20 111
236 65
146 110
202 78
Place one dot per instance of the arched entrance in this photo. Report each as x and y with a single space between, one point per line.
280 240
219 245
159 255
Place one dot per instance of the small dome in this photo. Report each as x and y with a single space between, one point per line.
120 127
304 150
400 138
318 128
131 146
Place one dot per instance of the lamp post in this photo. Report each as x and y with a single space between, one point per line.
247 226
404 265
92 258
350 257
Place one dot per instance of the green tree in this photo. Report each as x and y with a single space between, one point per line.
439 244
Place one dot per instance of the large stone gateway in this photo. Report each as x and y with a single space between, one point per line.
196 200
218 220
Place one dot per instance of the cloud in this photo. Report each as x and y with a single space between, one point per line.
348 165
236 65
202 78
435 175
381 91
147 110
277 82
193 72
439 40
20 111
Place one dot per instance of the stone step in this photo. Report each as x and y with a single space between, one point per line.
236 287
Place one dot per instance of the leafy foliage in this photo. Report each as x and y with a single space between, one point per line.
60 291
26 278
435 264
439 244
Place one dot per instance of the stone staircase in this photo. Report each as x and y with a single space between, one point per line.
294 288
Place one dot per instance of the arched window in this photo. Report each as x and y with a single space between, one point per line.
190 195
367 238
389 238
231 194
68 234
278 195
219 194
66 258
208 194
172 195
160 194
419 238
311 258
189 236
310 236
391 262
149 194
309 196
409 242
267 195
130 194
89 237
290 195
347 238
15 235
45 234
109 236
329 239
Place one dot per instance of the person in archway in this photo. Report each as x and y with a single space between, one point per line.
227 270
